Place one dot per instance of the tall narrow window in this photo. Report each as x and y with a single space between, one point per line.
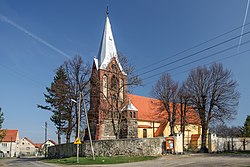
144 133
121 89
114 83
105 86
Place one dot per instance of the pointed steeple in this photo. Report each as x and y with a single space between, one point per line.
107 48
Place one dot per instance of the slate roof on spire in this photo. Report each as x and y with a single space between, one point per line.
107 48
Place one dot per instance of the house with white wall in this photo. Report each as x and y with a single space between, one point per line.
9 147
27 147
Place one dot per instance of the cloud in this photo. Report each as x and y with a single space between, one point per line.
35 37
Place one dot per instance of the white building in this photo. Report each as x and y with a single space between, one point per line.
27 147
9 147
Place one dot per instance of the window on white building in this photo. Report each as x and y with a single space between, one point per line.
4 144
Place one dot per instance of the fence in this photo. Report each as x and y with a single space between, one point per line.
125 147
219 144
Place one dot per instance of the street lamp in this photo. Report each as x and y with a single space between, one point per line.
78 125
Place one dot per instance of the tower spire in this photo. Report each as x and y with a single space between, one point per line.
107 49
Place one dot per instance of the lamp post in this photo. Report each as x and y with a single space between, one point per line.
78 125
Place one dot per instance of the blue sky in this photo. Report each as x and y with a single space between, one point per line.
38 36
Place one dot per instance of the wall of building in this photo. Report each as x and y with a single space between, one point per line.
26 148
9 149
151 127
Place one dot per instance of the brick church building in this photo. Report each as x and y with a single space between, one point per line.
114 113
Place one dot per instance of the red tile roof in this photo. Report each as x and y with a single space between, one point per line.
38 145
150 109
10 135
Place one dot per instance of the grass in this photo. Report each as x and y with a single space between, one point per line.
99 160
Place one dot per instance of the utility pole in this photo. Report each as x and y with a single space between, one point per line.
78 115
45 138
78 126
10 146
87 121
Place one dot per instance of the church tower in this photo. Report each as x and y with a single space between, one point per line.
109 115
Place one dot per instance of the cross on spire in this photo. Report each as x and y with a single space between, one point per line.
107 11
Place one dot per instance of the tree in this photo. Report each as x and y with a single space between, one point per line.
57 98
184 99
71 78
2 132
245 130
166 90
213 95
222 130
78 74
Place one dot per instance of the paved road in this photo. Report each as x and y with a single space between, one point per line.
193 160
24 162
197 160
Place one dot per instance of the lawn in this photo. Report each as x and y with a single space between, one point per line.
99 160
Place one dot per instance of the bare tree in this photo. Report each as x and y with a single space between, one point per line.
223 130
71 78
166 90
78 74
213 95
184 99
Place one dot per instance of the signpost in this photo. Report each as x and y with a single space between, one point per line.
77 141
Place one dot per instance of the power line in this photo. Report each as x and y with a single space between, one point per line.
195 46
221 59
22 75
191 55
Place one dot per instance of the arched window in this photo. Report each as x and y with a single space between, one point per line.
121 89
105 86
114 82
113 66
144 133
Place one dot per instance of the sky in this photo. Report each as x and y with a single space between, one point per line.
36 37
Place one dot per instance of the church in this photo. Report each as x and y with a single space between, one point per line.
115 114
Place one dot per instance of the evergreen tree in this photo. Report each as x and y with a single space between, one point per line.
58 101
2 132
245 130
70 79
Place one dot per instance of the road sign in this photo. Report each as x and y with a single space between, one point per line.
77 141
